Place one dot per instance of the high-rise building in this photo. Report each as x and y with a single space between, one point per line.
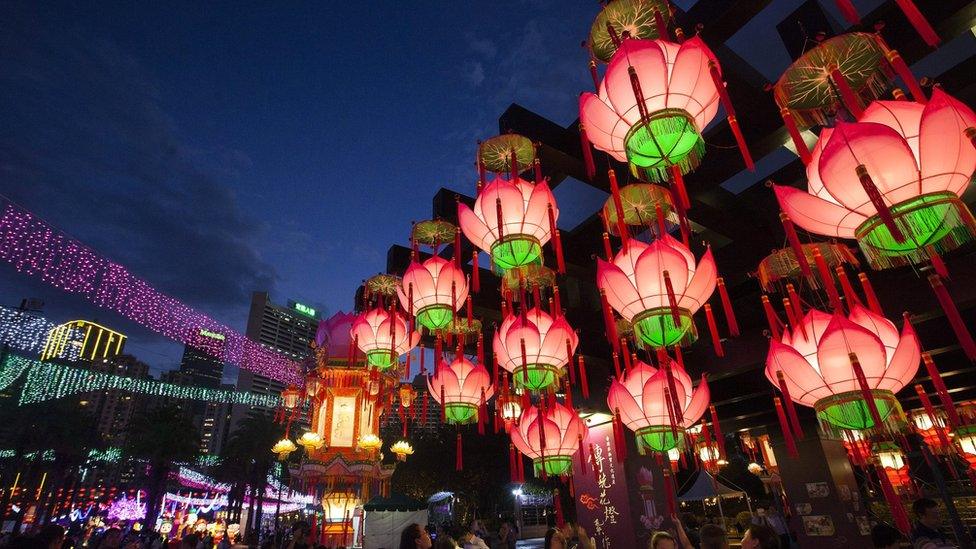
287 330
199 368
113 409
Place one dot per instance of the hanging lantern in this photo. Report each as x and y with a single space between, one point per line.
781 265
892 460
509 406
710 457
831 363
401 449
644 205
339 505
310 440
658 287
857 447
290 397
333 336
655 99
407 394
638 18
549 439
460 388
892 180
646 407
535 348
433 290
383 337
283 448
382 285
313 384
433 232
755 469
935 434
510 221
966 439
369 442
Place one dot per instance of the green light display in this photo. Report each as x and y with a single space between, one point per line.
554 465
516 250
850 410
656 327
381 359
669 138
927 219
535 377
659 438
435 317
212 335
460 412
304 309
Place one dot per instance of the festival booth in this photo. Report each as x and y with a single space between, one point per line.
387 517
707 488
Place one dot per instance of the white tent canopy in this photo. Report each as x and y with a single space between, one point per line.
387 517
706 486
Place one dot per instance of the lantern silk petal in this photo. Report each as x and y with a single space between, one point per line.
527 330
881 326
619 398
676 245
885 154
654 400
817 215
842 338
620 290
474 228
604 129
553 348
814 185
476 379
648 57
903 364
690 84
805 339
446 273
902 116
946 155
535 221
803 379
702 284
418 277
649 274
697 404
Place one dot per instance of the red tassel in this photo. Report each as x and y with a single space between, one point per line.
713 330
669 493
587 153
727 307
537 168
952 315
827 281
569 357
847 96
457 247
901 68
937 263
481 349
672 299
443 404
872 298
878 201
662 27
585 385
673 393
797 308
898 514
862 381
407 368
595 76
678 357
618 206
616 365
790 314
718 429
849 12
607 250
459 464
790 407
475 272
723 94
801 147
557 503
482 414
557 304
801 258
611 324
582 455
662 228
500 219
785 427
423 416
512 468
849 295
679 185
560 260
771 318
625 351
930 411
940 389
423 368
619 437
921 24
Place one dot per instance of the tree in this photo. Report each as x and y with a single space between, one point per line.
248 460
161 436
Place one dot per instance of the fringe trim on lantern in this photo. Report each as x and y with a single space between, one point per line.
667 122
875 86
953 227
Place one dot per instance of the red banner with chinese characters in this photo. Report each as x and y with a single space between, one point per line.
602 501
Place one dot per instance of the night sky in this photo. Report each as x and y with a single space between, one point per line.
216 150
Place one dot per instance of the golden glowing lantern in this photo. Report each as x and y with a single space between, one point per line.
283 448
510 407
401 449
313 383
755 468
674 457
966 438
407 394
290 397
710 457
311 441
935 434
370 442
892 460
339 506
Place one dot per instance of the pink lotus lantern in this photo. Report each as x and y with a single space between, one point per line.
643 399
383 337
433 291
657 287
652 105
511 221
892 180
333 335
461 388
834 364
550 439
535 347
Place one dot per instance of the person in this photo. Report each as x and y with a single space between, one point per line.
927 533
299 536
759 536
662 540
507 538
190 541
554 539
575 536
415 537
51 536
712 536
111 539
884 536
770 517
469 540
478 529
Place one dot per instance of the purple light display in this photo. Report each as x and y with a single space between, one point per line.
35 248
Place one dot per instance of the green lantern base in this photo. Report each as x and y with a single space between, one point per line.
535 377
939 221
554 465
435 317
516 250
850 411
657 328
460 412
669 138
381 359
659 438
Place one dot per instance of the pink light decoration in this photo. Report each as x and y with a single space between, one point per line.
127 509
436 284
552 435
524 212
816 356
334 334
640 397
35 248
377 333
460 383
549 343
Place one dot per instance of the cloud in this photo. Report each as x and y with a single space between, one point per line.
482 46
88 146
474 73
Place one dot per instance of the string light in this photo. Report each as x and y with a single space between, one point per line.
48 381
23 330
36 248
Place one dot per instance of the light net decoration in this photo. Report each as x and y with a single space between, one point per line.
48 381
34 247
24 330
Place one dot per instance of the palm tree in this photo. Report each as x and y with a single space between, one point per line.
247 460
161 436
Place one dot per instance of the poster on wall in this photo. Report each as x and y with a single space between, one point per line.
602 502
818 525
